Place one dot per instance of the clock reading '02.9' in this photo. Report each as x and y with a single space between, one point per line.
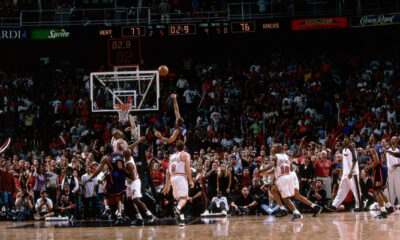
124 52
182 29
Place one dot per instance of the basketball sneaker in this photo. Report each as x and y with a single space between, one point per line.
390 210
381 215
281 213
177 213
182 220
331 208
296 217
317 210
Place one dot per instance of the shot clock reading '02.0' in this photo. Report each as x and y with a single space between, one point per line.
124 52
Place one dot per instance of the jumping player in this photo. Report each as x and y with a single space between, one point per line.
133 188
349 179
180 131
378 165
116 183
178 175
288 184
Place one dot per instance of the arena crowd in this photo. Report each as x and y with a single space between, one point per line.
233 115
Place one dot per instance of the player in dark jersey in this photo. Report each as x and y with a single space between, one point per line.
378 165
180 129
115 187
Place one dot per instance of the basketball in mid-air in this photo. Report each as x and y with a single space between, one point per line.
163 70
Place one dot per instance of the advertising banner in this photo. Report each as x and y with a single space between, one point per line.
375 20
319 23
43 34
13 34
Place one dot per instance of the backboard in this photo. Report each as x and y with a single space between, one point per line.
139 89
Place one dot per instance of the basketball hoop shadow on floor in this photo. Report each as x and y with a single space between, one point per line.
107 223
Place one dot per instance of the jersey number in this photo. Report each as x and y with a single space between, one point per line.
173 168
285 169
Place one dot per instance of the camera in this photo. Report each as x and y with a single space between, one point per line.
44 200
25 194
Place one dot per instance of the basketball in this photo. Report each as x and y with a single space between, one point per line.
163 70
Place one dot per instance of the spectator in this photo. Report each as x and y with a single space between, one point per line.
157 176
89 194
317 194
64 207
7 185
40 180
322 171
245 180
367 195
245 204
224 180
196 199
219 204
23 205
212 176
43 206
164 11
53 184
306 175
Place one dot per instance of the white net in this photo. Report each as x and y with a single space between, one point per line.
123 111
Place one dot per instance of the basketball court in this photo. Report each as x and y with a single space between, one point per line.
326 226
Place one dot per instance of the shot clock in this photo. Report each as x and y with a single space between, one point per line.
124 52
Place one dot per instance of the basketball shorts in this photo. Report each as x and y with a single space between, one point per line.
179 186
115 184
380 178
286 185
133 189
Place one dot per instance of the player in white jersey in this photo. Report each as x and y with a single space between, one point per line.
120 145
350 176
394 171
288 183
133 189
178 175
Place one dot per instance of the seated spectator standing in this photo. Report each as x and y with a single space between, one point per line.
219 204
89 193
317 194
245 204
157 176
23 205
44 207
245 180
212 181
40 180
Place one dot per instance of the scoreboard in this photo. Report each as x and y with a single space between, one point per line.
190 29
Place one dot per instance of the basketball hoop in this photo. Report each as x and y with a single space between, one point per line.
123 111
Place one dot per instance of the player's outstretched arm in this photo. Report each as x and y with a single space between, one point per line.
103 162
169 140
140 140
176 106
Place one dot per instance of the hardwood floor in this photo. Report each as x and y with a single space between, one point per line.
343 226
